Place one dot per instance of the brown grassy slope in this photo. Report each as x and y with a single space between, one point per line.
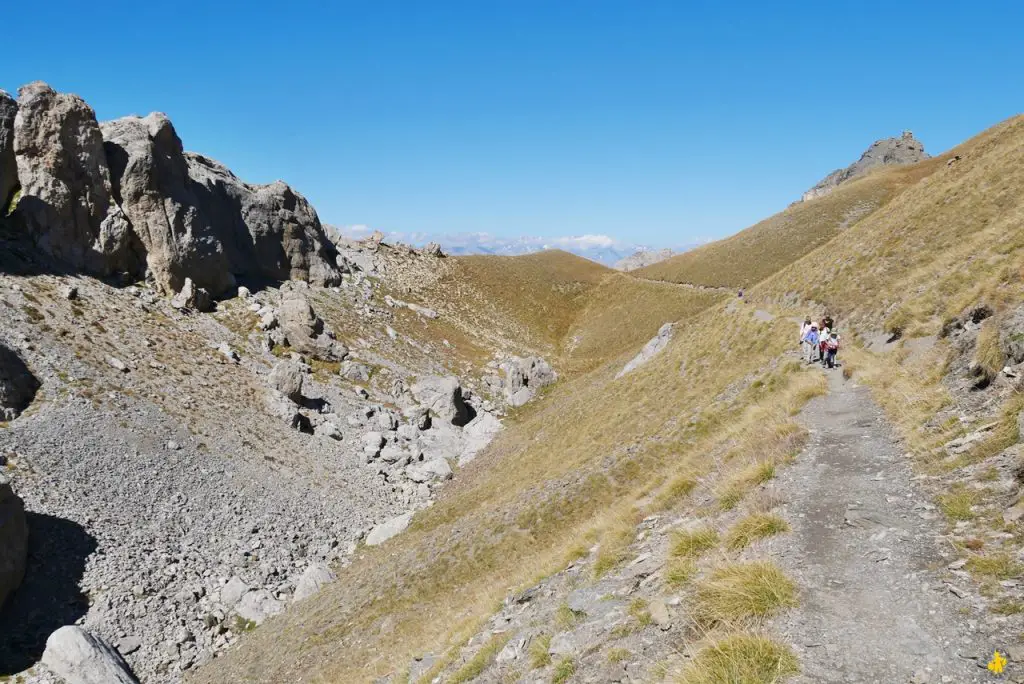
572 463
950 240
755 253
596 446
623 313
523 303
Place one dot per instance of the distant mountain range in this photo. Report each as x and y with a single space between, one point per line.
600 248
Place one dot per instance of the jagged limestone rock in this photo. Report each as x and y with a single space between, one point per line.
905 149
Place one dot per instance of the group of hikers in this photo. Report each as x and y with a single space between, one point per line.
820 341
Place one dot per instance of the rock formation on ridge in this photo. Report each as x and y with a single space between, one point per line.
905 149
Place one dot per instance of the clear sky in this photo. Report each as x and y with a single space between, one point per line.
655 122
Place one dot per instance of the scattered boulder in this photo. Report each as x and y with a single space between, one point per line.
354 371
232 592
18 386
329 430
13 540
256 606
80 657
304 330
478 435
442 396
388 529
429 471
228 353
653 347
433 249
312 580
523 377
287 378
192 298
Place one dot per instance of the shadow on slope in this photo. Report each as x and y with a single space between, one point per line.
49 597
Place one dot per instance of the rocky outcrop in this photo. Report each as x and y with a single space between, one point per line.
312 580
13 540
80 657
151 181
18 386
126 197
286 378
8 165
268 231
524 376
650 350
641 258
66 195
905 149
304 331
388 529
442 396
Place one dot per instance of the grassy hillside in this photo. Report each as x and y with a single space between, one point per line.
755 253
695 430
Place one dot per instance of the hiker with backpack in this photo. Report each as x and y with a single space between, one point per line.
831 349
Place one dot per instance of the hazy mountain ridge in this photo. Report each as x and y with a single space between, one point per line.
600 248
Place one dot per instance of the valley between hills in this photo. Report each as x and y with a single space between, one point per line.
237 446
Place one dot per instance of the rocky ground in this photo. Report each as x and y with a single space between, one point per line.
187 474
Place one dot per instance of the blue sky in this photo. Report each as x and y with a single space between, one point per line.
654 122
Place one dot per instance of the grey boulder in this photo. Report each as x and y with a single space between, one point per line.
388 529
442 396
312 580
429 471
257 606
287 378
80 657
653 347
18 386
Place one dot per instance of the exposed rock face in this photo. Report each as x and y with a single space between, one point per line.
13 540
315 577
8 165
388 529
66 201
268 231
151 182
18 385
650 350
80 657
643 257
905 149
442 396
524 376
125 197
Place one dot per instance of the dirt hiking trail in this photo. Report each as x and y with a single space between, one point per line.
867 551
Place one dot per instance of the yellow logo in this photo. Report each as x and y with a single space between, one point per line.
998 663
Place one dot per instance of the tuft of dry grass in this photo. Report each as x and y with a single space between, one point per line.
564 669
475 666
539 651
740 591
741 659
679 572
691 544
958 504
753 527
997 565
988 352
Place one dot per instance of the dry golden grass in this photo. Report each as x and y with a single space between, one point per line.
479 662
741 659
692 544
756 526
738 592
598 448
765 248
988 354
